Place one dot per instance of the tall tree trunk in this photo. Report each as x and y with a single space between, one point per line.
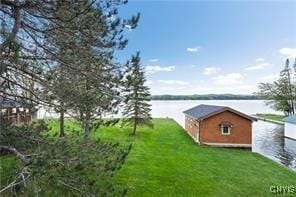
291 93
62 120
87 117
135 127
290 89
86 127
136 112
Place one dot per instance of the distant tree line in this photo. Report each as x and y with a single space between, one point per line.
206 97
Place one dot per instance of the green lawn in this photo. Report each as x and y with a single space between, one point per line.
271 117
165 161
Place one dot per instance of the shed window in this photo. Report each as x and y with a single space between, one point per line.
225 128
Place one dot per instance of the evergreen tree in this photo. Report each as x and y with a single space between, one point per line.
281 94
286 86
93 74
66 48
59 93
63 167
137 109
32 33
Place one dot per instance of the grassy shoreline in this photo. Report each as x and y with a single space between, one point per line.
274 117
165 161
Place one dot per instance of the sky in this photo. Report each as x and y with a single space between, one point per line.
201 47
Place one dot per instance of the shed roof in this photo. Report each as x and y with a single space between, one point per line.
7 102
205 111
202 110
290 119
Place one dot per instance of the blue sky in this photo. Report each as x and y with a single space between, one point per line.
195 47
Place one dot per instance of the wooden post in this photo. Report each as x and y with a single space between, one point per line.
17 115
8 113
30 116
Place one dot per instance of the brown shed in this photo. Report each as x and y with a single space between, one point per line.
219 126
15 111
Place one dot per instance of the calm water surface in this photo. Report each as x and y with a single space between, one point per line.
268 138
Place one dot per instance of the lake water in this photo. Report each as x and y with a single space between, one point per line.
268 138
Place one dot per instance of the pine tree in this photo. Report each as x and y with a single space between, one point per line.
85 84
281 93
137 109
286 86
67 49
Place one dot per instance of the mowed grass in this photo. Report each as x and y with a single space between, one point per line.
165 161
272 117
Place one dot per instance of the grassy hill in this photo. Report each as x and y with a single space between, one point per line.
165 161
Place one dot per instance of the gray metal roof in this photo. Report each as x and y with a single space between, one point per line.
7 102
290 119
202 110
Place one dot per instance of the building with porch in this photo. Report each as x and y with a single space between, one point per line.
15 111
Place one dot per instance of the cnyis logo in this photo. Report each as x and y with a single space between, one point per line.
279 189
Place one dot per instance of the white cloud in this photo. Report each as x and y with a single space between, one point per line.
228 79
288 52
193 65
155 69
193 49
258 66
270 78
211 70
153 60
260 59
173 82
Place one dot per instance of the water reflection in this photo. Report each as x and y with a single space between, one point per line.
269 140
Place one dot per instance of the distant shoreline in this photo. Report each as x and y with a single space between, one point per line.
206 97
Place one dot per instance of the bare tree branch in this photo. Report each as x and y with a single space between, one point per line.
14 151
23 176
